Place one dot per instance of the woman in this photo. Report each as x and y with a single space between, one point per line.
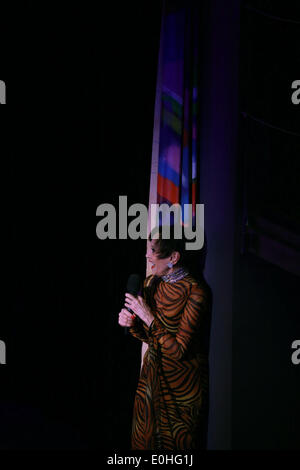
173 317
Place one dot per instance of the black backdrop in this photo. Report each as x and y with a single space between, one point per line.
78 133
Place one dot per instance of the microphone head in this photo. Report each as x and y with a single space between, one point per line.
133 284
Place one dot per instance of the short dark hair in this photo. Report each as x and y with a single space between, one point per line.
191 260
167 246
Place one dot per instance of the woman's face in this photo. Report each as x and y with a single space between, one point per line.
159 267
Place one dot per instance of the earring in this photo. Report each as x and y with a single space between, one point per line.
170 265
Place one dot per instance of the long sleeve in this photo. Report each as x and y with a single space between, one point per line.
176 345
139 331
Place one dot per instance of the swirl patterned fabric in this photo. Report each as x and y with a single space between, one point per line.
171 402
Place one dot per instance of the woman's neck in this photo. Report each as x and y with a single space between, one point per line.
175 275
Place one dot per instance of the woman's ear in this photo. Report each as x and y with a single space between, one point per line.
175 257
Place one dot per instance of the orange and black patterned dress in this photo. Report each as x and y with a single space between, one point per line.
171 402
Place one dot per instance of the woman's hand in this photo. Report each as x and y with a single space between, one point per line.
140 308
126 318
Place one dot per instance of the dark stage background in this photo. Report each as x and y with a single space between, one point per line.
77 133
81 86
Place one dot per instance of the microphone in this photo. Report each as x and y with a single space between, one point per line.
133 287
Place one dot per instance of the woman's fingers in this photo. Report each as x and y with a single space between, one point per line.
125 312
129 304
123 321
130 301
125 318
